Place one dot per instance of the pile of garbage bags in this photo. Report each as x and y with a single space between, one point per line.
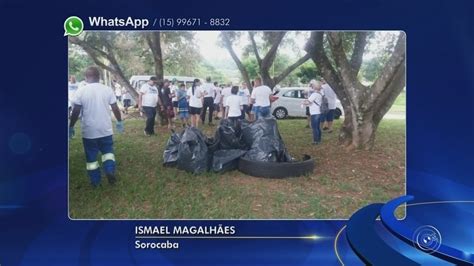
194 152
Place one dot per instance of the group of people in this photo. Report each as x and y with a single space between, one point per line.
92 102
320 105
192 105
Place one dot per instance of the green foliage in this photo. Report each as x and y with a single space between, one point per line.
207 70
78 61
181 55
307 72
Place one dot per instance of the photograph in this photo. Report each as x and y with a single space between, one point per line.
235 124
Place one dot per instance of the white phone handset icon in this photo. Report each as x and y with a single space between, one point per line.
71 25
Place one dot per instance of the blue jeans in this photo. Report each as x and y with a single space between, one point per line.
150 113
316 126
91 148
262 111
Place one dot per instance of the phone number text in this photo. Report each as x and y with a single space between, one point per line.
190 22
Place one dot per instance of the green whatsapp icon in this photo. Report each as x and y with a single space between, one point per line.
73 26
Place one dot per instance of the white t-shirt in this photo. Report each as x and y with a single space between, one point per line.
150 95
82 83
261 94
208 89
72 88
314 108
245 94
330 95
195 100
118 92
218 97
126 95
226 92
234 102
95 99
174 90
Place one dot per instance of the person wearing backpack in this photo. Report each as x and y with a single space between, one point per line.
316 105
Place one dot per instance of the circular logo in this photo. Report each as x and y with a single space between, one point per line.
427 238
73 26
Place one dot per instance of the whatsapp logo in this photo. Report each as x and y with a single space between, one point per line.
73 26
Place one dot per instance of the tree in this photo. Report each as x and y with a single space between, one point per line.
228 38
181 56
153 40
272 41
100 48
77 62
364 106
307 72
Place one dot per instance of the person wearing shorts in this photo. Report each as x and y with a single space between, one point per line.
183 105
328 117
174 90
244 93
127 101
195 98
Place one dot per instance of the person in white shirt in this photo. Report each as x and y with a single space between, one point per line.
307 92
233 106
209 93
314 102
93 102
261 98
118 92
195 98
217 100
174 92
245 94
127 100
72 88
147 102
331 96
226 93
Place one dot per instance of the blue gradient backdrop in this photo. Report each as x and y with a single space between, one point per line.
34 225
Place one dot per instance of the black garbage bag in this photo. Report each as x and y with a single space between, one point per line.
226 160
265 141
170 155
228 135
193 152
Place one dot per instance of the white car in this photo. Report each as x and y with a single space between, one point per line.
289 103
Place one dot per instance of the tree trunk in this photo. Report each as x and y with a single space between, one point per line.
364 107
266 63
358 129
153 40
240 66
98 55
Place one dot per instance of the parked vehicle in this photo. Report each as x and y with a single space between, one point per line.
289 103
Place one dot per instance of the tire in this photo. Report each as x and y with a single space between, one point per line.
280 113
277 170
337 113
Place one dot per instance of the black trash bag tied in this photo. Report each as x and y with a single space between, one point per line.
192 151
170 155
265 142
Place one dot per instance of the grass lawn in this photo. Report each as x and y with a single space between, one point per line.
399 106
341 183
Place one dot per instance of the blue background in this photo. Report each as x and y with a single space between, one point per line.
34 226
